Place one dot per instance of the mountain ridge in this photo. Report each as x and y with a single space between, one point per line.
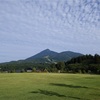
48 55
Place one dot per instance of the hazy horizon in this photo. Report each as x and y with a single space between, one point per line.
29 26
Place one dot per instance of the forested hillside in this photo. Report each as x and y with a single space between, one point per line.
82 64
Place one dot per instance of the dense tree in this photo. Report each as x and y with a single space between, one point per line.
60 66
82 64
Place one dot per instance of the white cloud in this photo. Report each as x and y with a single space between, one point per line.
33 25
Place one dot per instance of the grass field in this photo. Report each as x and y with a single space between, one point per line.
49 86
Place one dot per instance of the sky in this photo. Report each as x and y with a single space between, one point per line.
30 26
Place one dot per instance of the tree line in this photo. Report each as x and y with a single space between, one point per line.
81 64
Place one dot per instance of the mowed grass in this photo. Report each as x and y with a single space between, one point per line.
49 86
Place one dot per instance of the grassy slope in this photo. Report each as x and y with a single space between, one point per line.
46 86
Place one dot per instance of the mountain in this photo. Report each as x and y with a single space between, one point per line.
47 55
66 55
44 54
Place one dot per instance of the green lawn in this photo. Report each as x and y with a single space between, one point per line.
49 86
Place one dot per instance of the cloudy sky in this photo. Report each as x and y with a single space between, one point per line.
30 26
